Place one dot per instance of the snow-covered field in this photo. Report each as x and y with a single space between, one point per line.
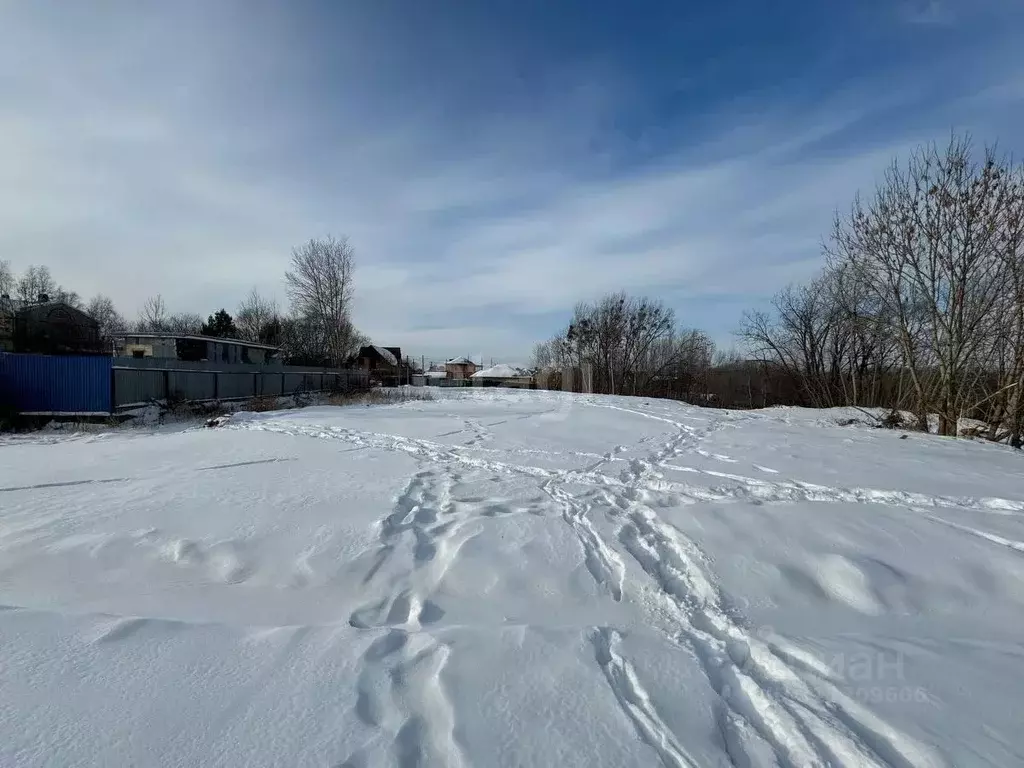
503 578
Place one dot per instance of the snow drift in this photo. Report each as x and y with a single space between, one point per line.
511 578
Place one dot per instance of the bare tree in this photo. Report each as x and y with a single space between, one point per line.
185 323
69 297
153 316
320 284
544 354
647 322
626 342
303 341
805 337
101 309
254 315
1005 404
926 248
34 283
7 281
921 303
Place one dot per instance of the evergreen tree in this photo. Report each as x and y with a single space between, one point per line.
220 325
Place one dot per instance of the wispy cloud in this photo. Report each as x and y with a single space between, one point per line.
929 12
184 149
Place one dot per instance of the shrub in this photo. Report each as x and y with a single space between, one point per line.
379 397
261 404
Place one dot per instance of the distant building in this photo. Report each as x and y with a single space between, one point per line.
460 368
50 328
503 376
173 346
383 364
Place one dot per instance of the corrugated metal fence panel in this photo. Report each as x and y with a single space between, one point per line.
132 387
191 385
135 385
55 384
292 383
235 385
270 384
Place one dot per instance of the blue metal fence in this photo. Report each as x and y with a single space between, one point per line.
41 384
55 385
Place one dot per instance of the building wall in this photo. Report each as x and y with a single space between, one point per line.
513 382
149 347
211 351
460 370
372 361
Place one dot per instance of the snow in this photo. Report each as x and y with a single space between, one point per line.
499 371
386 355
507 578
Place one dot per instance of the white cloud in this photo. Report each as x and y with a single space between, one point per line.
929 12
176 151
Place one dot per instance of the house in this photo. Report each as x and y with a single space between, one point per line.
503 376
383 364
53 328
459 368
194 348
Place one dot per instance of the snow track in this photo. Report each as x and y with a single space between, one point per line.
804 724
400 693
635 702
805 727
505 578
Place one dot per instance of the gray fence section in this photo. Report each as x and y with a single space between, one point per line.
134 384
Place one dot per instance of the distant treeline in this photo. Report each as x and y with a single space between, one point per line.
919 306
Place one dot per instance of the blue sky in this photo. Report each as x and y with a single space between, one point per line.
493 163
